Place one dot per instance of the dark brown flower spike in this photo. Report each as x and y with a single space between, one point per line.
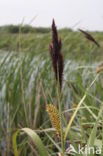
89 37
56 55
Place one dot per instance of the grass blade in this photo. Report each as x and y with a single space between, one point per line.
34 137
73 116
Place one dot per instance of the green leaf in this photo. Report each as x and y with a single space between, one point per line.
92 138
34 137
73 116
77 109
14 142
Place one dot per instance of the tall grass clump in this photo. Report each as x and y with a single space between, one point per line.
82 126
42 113
57 62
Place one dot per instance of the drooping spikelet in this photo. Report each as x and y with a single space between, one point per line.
54 118
56 55
89 37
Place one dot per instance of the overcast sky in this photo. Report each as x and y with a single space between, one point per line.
86 14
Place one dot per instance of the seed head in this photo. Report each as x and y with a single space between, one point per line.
56 55
54 118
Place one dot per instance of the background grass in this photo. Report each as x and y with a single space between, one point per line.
36 41
27 83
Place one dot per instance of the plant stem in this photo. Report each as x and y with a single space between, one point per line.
60 111
102 136
8 129
21 77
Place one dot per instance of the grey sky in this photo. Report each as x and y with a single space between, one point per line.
86 14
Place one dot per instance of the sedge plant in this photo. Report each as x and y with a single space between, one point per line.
55 110
58 64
